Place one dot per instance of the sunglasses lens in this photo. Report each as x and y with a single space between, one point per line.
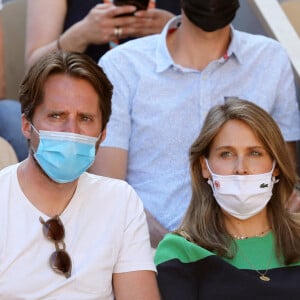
54 230
61 263
60 260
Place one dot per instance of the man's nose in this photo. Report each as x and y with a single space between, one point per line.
72 126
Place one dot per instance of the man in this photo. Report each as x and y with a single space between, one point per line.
91 229
164 86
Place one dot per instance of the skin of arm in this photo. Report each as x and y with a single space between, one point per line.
153 21
294 200
45 20
135 286
291 147
293 204
112 162
2 78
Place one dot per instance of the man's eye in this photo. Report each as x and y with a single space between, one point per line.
86 118
55 116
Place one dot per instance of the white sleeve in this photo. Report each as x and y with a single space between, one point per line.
135 252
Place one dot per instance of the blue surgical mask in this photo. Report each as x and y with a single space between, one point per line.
64 156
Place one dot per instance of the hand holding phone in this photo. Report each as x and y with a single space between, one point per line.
139 4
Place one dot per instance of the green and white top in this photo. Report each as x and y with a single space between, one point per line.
187 271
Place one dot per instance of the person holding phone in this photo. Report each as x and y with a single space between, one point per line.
90 25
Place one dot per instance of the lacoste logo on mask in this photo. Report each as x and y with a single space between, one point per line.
263 185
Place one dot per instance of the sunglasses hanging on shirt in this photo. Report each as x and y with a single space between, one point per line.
60 260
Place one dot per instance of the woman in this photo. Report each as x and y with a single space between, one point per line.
89 25
236 240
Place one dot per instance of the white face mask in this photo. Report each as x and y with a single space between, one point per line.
242 196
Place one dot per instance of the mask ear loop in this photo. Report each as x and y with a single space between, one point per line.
38 133
98 138
273 167
208 167
209 180
99 135
32 126
274 179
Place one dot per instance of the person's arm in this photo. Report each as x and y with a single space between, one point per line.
134 276
293 204
151 21
135 286
45 21
157 231
2 77
292 149
112 162
285 110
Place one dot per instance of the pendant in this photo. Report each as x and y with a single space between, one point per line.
264 278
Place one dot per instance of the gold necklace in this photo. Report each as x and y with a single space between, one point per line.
262 276
244 237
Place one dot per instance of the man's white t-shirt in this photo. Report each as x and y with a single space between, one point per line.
105 233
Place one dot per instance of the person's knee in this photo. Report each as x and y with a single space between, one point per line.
7 154
10 127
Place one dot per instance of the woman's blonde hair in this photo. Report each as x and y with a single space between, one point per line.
203 222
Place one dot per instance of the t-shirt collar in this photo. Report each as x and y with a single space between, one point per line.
164 59
234 48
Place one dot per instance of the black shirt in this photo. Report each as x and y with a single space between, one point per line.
78 9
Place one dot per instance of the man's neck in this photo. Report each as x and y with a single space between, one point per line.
49 197
194 48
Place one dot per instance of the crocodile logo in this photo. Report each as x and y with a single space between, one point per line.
263 185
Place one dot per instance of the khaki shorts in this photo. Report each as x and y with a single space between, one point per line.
7 154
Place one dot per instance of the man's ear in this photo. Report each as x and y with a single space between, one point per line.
103 135
205 171
102 138
26 127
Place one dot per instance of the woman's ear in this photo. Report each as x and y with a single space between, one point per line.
205 172
276 171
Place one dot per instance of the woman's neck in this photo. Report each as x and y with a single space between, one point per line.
255 226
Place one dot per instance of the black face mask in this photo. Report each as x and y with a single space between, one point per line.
210 15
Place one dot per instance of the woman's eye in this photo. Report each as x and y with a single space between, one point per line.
226 154
255 153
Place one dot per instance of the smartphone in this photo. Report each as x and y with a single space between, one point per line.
139 4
